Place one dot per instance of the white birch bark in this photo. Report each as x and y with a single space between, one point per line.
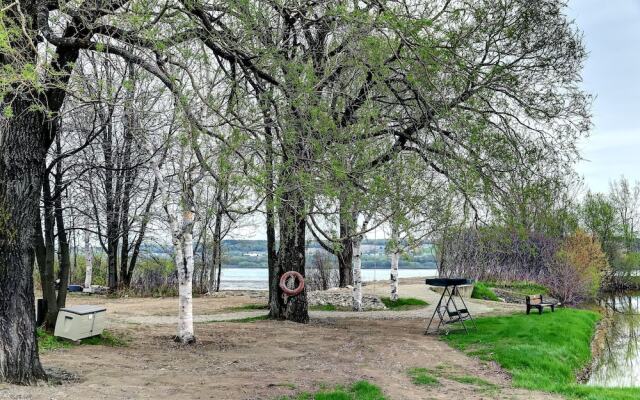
395 260
185 281
357 273
88 256
183 248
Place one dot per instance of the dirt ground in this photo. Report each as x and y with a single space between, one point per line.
262 359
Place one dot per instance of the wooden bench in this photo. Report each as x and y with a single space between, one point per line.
536 301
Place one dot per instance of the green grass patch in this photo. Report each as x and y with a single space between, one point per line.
422 376
523 287
481 291
48 342
361 390
542 352
404 303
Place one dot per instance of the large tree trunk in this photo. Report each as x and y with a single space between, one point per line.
291 253
21 168
357 273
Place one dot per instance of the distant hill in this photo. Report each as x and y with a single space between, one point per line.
253 254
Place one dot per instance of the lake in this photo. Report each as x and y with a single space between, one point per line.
619 363
256 278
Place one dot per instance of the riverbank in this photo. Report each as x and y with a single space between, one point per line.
542 352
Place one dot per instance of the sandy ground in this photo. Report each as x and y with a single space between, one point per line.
265 359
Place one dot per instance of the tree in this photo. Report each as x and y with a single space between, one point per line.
473 88
625 198
600 219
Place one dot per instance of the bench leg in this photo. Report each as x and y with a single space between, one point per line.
553 308
540 310
528 309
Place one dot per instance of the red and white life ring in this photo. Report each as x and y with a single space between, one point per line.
283 283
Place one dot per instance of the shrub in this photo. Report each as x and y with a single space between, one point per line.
576 272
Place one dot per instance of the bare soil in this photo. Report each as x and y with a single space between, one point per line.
261 359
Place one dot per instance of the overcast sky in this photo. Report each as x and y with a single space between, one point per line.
612 73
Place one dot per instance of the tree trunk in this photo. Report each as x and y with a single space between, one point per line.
127 177
185 280
64 259
214 280
357 273
48 282
143 229
291 254
345 256
395 258
88 256
21 168
345 262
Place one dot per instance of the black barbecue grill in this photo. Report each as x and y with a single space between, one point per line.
448 312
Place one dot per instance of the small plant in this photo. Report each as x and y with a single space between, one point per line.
423 377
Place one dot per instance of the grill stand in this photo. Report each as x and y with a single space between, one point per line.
446 316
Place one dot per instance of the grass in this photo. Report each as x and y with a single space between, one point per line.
361 390
403 303
48 342
423 377
542 352
472 380
481 291
523 287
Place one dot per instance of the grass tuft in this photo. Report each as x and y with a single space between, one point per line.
404 303
542 352
361 390
482 291
422 376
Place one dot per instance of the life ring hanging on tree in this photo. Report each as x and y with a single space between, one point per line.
283 283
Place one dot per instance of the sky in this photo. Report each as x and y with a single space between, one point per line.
611 32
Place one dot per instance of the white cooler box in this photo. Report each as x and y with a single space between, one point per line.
80 322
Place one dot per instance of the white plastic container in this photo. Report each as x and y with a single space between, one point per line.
80 322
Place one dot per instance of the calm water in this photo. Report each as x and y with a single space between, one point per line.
256 278
619 365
